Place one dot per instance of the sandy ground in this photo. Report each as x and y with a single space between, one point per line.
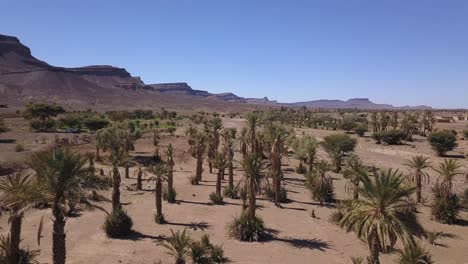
298 238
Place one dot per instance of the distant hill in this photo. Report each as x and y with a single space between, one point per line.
24 78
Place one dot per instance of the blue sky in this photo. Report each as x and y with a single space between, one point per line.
399 52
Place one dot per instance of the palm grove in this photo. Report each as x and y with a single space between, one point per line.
381 209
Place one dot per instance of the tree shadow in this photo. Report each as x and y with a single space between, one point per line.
193 225
137 236
314 243
461 222
293 208
328 205
454 156
7 141
192 202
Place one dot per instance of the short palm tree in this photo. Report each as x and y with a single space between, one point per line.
354 171
447 170
17 193
418 164
160 173
63 178
243 141
178 245
229 137
414 254
377 216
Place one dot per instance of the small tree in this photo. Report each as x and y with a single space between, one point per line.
160 174
442 141
42 112
337 145
94 123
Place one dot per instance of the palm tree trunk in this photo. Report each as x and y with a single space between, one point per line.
223 173
139 179
356 191
210 166
15 238
158 198
127 171
231 176
58 235
180 261
419 187
116 190
98 157
252 205
218 182
374 252
199 169
170 180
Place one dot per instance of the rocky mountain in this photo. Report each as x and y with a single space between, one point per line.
355 103
24 78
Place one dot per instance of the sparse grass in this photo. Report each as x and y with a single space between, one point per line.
216 199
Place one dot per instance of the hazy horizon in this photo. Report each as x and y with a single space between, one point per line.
392 52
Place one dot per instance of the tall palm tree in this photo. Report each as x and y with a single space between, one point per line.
63 178
160 173
213 128
252 165
355 170
219 163
114 138
253 121
170 172
229 137
200 148
418 164
178 245
244 141
17 193
447 170
277 136
376 216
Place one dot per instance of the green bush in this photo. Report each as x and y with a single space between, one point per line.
216 198
118 224
321 188
48 126
270 194
169 195
391 137
231 193
444 208
360 130
19 148
442 141
348 125
247 228
336 216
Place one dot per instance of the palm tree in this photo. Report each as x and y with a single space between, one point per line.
140 173
377 216
17 194
213 127
253 121
156 139
320 183
447 170
244 141
178 245
170 172
115 139
354 171
229 137
159 171
219 163
200 147
276 136
418 164
252 165
414 254
62 178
